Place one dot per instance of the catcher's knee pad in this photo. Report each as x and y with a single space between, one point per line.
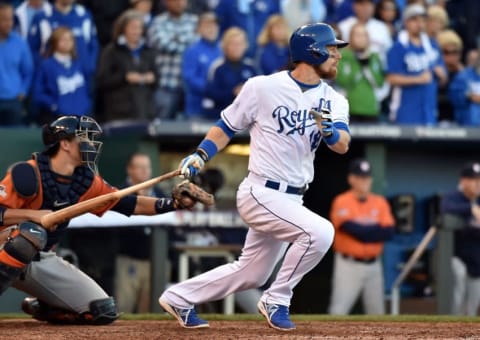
21 247
103 311
24 243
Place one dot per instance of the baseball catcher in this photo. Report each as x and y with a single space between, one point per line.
63 174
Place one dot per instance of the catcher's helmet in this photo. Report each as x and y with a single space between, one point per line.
309 43
68 127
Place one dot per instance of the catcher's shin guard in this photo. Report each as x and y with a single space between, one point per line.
21 246
102 312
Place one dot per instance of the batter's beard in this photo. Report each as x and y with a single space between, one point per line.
330 74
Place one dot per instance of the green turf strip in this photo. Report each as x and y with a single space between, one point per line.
295 317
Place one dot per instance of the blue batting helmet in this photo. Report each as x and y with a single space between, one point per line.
309 43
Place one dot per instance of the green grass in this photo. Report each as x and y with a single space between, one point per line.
295 317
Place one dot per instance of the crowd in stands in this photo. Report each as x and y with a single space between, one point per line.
408 62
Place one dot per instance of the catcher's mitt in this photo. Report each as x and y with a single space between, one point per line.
185 194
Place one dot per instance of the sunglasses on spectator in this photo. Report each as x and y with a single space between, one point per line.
451 52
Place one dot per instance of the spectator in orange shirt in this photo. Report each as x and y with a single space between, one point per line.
363 222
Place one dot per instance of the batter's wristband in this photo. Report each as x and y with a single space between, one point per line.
333 138
208 149
163 205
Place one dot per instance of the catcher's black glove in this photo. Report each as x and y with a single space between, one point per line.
186 194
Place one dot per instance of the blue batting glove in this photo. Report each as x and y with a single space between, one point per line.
329 132
324 119
191 165
327 128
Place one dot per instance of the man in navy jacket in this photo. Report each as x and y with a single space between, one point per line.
465 202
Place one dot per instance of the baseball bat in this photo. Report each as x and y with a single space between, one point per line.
324 114
49 220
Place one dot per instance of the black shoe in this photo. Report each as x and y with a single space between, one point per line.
31 305
43 312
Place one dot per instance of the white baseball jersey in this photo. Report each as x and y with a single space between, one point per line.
284 135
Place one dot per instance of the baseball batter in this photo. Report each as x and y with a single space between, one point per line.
284 135
60 176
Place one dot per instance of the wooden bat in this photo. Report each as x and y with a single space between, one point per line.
324 115
50 220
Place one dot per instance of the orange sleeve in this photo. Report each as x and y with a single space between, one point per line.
99 187
9 198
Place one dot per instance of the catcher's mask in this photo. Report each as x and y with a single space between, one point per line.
86 129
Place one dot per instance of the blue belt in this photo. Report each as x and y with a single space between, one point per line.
290 190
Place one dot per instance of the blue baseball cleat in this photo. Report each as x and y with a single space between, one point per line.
187 317
277 316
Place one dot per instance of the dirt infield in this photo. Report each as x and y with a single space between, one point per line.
232 330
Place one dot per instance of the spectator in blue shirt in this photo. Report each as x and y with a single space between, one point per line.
60 86
249 15
273 52
414 63
196 62
228 74
16 70
464 93
25 12
78 19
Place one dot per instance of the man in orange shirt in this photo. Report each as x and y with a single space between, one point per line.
363 222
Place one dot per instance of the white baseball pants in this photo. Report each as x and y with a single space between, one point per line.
275 219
